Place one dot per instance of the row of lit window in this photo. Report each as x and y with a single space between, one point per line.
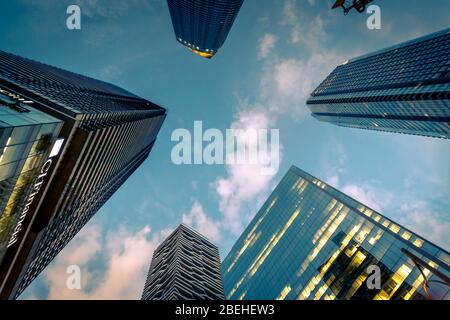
194 46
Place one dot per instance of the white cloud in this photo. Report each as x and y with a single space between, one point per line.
266 44
243 183
286 84
289 12
365 195
333 160
432 225
306 30
198 219
296 36
333 181
126 255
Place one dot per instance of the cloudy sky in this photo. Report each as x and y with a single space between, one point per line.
277 52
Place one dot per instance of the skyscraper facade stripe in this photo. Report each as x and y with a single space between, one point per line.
402 89
107 133
311 242
186 266
203 25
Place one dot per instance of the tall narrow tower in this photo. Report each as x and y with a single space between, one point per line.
203 25
186 266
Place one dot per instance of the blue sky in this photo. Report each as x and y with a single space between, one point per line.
277 52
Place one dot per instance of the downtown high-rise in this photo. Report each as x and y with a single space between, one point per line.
186 266
203 25
402 89
67 143
310 241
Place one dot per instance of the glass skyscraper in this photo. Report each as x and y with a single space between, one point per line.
26 139
310 241
203 25
186 266
403 89
67 143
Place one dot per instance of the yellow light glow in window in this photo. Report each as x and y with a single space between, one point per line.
394 283
265 252
394 228
329 220
315 280
406 235
251 238
242 295
368 212
377 237
4 149
300 186
284 293
356 285
321 291
418 242
207 55
273 243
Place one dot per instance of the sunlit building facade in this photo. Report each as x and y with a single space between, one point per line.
186 266
102 134
402 89
310 242
203 25
27 137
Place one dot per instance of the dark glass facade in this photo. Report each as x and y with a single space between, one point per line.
310 241
26 139
107 133
186 266
403 89
203 25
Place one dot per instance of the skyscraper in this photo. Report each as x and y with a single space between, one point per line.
203 25
310 241
403 89
186 266
80 139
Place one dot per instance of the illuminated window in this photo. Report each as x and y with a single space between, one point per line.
406 235
368 212
377 237
418 242
394 228
284 293
242 295
394 283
